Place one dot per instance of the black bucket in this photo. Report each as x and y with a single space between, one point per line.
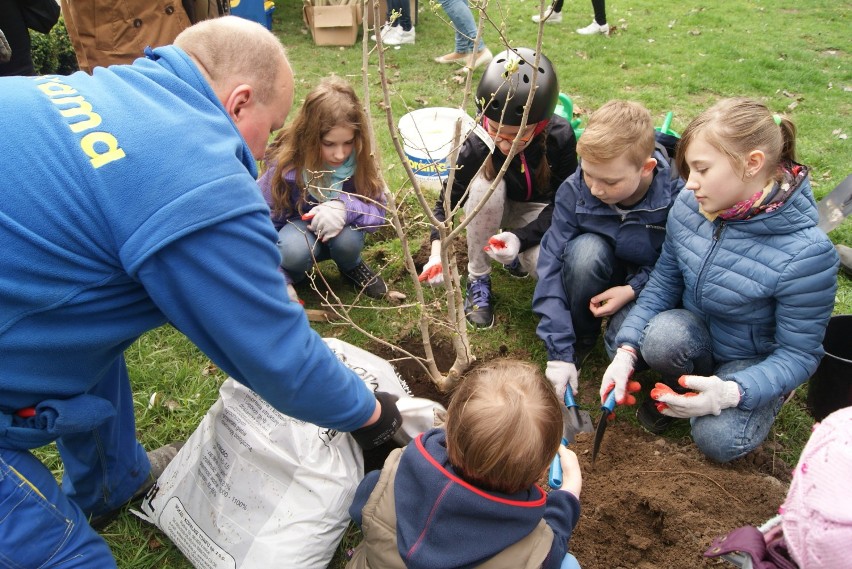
830 388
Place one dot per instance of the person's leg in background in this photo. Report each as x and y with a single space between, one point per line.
401 31
598 25
105 467
39 525
465 35
552 14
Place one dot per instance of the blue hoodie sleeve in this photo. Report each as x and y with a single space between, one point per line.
220 286
562 514
549 302
362 494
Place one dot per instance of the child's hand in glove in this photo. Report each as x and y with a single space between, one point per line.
616 375
327 219
503 247
562 375
709 396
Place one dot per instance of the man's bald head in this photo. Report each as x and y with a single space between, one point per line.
231 51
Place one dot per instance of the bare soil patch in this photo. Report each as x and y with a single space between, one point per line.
648 502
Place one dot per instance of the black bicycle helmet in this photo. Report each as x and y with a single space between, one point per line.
506 84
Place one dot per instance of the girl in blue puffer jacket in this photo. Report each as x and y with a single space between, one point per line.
735 310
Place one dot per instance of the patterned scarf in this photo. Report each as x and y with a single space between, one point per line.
771 197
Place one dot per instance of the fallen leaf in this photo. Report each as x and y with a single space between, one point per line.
209 369
650 40
458 79
836 131
172 405
581 54
154 400
792 105
847 88
695 32
672 23
842 137
154 544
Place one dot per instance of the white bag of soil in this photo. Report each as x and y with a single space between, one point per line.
253 488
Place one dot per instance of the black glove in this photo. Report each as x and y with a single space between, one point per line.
383 429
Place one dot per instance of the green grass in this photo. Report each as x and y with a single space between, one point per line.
792 55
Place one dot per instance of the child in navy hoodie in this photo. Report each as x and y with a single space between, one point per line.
466 495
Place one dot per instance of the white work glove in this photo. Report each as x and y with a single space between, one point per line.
327 219
561 374
503 247
433 272
617 374
709 396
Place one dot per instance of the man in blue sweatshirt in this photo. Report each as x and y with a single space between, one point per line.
130 201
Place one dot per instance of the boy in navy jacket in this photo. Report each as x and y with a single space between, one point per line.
606 234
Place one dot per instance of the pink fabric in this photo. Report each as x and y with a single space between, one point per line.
817 514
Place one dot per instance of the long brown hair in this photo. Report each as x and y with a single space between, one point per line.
298 146
737 126
503 426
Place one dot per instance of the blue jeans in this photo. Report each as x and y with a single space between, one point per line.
677 342
464 24
103 469
589 267
404 9
300 248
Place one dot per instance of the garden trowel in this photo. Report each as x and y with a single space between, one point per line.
574 420
606 410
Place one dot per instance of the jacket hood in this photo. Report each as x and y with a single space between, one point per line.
441 510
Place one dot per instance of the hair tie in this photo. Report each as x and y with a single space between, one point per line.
777 119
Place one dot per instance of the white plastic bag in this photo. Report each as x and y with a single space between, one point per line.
253 488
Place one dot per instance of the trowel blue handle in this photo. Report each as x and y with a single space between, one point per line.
554 477
569 397
609 405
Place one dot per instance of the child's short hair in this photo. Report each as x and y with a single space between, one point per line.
735 127
618 128
503 426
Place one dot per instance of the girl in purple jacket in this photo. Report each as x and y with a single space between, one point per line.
323 187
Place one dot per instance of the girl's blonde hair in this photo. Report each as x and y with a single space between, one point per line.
738 126
503 426
298 146
615 129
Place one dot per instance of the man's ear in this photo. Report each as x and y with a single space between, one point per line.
241 97
648 166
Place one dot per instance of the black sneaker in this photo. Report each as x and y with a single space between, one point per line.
514 269
366 280
478 303
159 459
652 420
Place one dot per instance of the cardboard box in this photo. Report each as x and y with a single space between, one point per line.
333 25
383 12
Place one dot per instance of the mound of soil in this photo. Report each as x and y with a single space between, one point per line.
649 502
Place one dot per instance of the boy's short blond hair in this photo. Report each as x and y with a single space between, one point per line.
618 128
503 426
